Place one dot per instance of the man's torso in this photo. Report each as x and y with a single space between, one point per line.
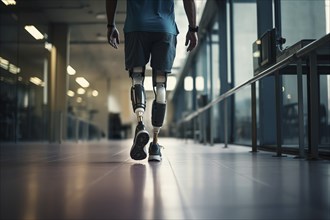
150 16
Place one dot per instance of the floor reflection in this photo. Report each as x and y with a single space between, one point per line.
138 180
31 194
192 182
157 210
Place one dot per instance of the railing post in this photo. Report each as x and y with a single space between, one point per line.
211 127
278 108
226 122
204 116
313 106
254 117
184 131
300 109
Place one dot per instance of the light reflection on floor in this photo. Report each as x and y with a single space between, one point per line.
99 181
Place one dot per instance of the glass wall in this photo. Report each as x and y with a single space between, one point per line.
324 111
244 33
307 22
215 81
290 117
203 86
296 27
25 65
23 72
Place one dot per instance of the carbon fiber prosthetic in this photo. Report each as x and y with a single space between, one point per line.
138 96
159 104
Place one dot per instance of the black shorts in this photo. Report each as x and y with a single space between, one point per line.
139 46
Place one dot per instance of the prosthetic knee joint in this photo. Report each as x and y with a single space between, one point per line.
159 104
138 96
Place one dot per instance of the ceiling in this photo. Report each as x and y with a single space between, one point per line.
90 54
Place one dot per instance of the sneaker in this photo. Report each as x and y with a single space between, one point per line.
141 139
154 152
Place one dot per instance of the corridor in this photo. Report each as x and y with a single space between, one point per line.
98 180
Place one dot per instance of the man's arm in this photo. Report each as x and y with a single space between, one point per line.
111 7
113 34
190 8
191 37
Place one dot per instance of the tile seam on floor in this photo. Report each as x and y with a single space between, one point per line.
188 214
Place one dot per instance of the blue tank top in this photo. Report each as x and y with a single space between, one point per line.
150 16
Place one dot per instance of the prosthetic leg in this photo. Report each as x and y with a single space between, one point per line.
158 112
138 98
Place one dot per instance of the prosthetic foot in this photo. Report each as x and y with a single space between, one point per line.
158 113
141 139
154 152
138 98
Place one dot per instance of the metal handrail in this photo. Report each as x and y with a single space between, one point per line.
295 56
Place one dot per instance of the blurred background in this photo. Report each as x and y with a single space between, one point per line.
61 81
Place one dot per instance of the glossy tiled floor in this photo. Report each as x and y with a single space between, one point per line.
100 181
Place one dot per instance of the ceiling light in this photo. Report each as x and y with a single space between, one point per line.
36 81
79 99
82 82
81 91
188 83
70 93
14 69
34 32
70 70
199 83
95 93
48 46
9 2
4 63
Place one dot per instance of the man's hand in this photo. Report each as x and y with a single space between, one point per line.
113 37
191 40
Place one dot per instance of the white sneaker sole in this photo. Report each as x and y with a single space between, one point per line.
155 158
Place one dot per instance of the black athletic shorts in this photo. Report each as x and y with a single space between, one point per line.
140 46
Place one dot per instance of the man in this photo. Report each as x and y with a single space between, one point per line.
150 30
